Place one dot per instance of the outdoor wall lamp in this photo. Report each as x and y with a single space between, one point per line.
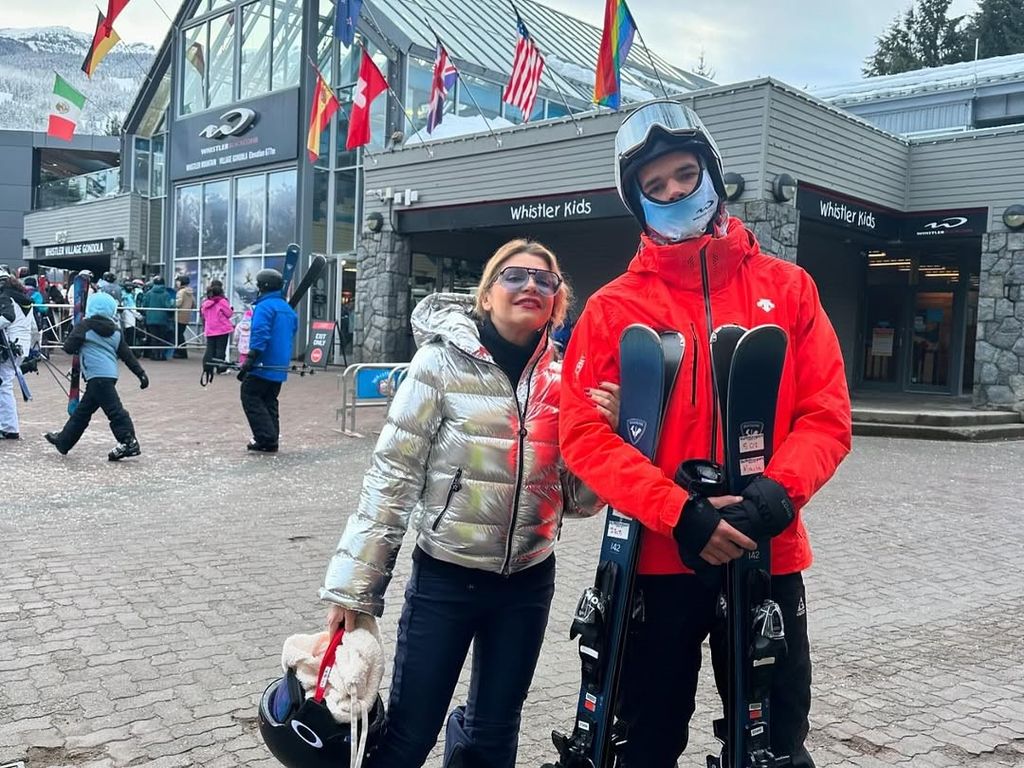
784 188
733 186
374 222
1013 216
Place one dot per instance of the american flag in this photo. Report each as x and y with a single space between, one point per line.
527 67
445 74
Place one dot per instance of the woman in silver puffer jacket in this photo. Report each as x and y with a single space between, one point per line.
474 460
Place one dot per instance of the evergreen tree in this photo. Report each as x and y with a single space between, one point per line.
704 68
925 37
999 28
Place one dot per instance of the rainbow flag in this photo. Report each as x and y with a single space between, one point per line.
616 40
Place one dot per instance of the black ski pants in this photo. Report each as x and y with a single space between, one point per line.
180 350
663 658
447 608
216 349
99 393
259 401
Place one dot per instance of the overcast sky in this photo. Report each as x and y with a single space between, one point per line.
801 42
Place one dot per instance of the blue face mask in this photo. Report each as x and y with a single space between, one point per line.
682 219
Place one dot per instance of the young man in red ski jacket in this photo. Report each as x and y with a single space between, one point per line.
696 269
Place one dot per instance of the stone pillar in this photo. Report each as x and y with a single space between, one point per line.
999 354
381 331
776 225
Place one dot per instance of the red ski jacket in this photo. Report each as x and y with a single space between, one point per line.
664 288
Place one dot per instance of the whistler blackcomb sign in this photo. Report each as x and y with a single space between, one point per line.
887 224
258 132
602 204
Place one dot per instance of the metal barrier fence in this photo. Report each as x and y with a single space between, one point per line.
56 324
376 386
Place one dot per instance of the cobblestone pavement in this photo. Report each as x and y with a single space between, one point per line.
143 604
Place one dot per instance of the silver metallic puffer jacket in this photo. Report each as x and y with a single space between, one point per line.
478 469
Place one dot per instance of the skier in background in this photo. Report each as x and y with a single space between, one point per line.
274 324
697 268
18 326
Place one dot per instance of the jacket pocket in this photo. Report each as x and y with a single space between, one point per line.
454 488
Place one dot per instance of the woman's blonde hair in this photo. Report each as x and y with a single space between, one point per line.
563 298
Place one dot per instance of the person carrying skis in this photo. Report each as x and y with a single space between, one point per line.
19 333
99 343
697 268
265 369
470 452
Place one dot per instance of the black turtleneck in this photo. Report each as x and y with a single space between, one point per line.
511 358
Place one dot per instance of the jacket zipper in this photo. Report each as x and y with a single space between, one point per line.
710 329
454 488
693 378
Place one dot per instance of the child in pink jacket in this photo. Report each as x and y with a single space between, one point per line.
217 313
242 331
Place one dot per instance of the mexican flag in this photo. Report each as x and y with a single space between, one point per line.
67 106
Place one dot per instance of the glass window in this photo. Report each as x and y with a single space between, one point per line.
255 78
215 218
320 211
140 167
514 114
417 92
209 270
345 210
557 109
325 40
487 95
250 196
345 157
221 74
193 70
188 267
244 278
157 186
287 43
280 210
186 222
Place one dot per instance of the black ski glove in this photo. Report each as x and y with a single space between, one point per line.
245 369
693 531
766 510
143 380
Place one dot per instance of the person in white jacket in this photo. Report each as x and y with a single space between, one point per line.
18 326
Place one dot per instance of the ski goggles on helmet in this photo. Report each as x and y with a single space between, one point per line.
668 117
514 279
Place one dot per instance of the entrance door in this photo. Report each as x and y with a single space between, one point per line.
931 340
884 310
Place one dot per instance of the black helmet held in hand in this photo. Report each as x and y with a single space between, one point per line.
268 280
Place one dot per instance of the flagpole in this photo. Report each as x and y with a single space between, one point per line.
565 101
647 50
497 139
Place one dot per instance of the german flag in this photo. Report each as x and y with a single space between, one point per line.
101 45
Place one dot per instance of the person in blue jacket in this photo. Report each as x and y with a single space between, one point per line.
99 343
265 369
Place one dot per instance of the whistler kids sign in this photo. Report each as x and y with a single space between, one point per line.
814 204
602 204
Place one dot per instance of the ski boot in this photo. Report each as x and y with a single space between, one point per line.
124 450
53 438
261 447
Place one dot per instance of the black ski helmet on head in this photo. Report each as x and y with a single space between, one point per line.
268 280
652 130
110 277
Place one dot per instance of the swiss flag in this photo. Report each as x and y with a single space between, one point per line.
370 85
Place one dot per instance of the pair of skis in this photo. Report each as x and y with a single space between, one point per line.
81 286
747 368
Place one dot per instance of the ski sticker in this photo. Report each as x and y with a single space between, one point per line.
636 427
751 436
618 530
752 466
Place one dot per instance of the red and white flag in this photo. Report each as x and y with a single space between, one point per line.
527 67
370 85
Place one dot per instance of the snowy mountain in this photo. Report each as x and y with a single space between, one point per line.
28 59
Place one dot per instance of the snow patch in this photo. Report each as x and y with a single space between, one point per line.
459 125
585 77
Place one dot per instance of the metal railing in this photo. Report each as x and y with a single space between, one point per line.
79 189
385 383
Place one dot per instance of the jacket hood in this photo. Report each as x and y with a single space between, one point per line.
447 317
102 325
18 297
678 264
100 304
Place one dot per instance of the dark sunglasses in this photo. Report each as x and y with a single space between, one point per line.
515 279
